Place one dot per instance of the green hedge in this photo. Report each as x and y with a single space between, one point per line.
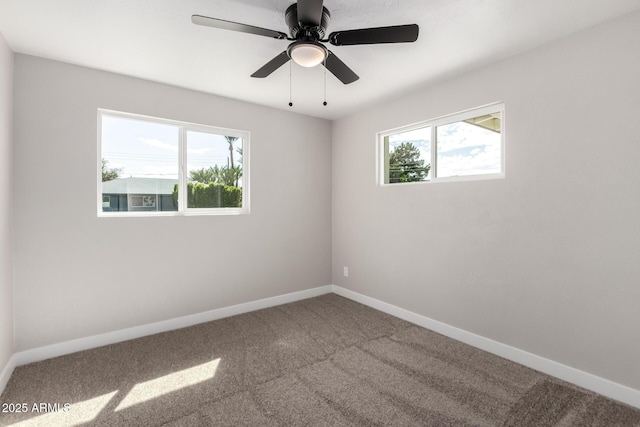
210 195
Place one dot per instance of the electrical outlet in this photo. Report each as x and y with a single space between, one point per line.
346 272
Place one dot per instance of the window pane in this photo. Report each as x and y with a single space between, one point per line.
407 156
469 147
139 165
214 165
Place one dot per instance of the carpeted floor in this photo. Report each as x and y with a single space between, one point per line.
318 362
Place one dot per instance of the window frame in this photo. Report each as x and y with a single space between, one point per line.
382 148
183 129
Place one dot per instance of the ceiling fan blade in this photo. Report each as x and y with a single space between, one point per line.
310 12
272 65
393 34
235 26
340 69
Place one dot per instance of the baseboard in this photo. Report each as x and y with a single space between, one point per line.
68 347
580 378
6 372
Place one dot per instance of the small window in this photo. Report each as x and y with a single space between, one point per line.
151 166
469 145
143 202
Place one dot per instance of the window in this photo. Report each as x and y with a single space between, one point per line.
150 166
143 201
468 145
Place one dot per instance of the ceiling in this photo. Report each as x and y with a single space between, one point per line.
155 40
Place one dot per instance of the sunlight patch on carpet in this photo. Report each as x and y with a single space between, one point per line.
166 384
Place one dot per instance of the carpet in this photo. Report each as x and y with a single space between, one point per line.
324 361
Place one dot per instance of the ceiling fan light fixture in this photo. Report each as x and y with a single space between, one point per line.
308 54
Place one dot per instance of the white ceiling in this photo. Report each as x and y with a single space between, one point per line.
155 40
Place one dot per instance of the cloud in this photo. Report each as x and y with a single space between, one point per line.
158 144
458 135
474 162
200 150
416 134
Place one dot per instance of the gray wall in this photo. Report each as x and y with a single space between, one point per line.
169 266
545 260
6 298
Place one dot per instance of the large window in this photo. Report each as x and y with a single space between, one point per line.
150 166
468 145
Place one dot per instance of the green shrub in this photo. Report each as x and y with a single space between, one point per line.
175 196
210 195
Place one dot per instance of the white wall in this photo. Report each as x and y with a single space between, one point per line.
6 298
77 275
545 260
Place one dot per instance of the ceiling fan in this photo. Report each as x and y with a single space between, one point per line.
307 21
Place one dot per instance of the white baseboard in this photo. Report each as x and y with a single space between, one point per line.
583 379
6 372
67 347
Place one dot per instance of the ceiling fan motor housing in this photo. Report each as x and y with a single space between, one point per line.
299 30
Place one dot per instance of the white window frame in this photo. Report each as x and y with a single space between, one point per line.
183 128
382 150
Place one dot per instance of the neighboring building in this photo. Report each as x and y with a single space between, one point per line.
138 194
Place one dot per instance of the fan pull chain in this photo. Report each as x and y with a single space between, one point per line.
290 103
325 82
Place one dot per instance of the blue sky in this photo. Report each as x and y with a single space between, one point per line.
463 148
149 149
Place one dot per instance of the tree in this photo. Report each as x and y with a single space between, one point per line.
228 175
239 151
204 175
109 174
217 174
231 140
405 164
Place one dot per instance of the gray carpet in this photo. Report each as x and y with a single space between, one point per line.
325 361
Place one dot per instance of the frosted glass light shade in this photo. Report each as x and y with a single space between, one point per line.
307 55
